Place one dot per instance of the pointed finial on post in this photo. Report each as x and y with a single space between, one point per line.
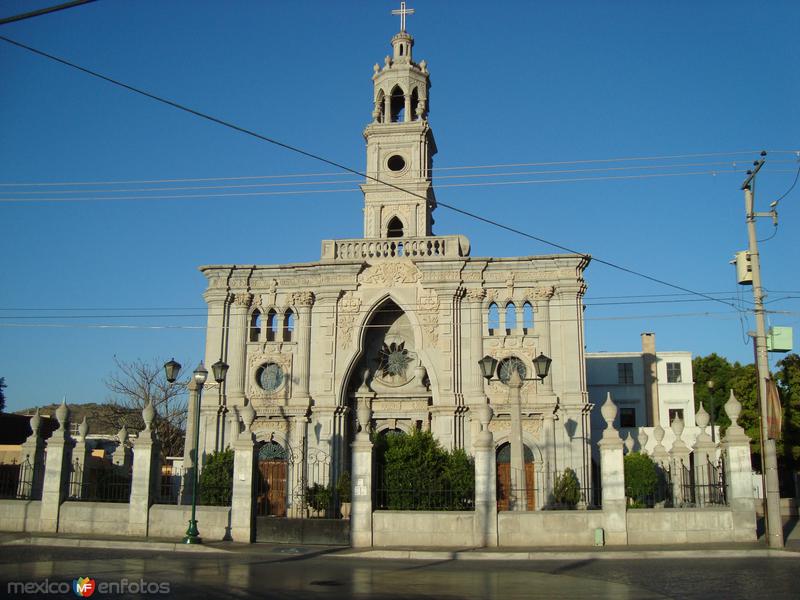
62 414
83 429
148 414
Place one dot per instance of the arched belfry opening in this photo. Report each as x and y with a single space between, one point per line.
414 104
398 105
394 229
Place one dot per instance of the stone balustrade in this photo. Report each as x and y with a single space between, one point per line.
415 248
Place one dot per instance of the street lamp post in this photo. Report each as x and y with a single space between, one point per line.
200 375
712 408
541 364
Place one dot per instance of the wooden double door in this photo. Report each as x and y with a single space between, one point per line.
271 492
505 487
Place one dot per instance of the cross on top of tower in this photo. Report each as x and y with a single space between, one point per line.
403 11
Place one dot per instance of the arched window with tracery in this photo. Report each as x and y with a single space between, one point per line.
394 229
493 318
527 317
288 325
255 325
272 325
511 318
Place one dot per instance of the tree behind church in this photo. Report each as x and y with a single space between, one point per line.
134 384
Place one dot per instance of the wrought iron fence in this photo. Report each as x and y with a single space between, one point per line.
661 495
438 493
99 483
170 485
18 481
541 492
704 485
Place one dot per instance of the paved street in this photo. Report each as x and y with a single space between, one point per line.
273 572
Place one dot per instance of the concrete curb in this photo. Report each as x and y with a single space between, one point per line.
113 544
534 555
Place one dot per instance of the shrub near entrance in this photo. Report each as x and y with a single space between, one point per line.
216 479
641 478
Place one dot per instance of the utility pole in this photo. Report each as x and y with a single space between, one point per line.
769 461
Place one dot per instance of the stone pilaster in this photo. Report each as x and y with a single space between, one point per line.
31 457
361 508
237 347
303 301
57 470
485 521
612 474
541 324
244 476
475 391
297 449
144 476
738 474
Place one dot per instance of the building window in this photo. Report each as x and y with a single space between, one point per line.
508 366
673 372
288 326
511 318
627 417
675 413
493 318
527 317
625 373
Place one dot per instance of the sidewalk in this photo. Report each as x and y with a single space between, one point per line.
755 549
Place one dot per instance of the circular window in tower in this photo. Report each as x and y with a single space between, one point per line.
507 366
270 377
396 163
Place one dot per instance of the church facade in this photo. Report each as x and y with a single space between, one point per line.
406 313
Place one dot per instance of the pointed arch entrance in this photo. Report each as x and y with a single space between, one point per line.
505 491
272 489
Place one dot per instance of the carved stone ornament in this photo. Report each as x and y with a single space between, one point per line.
387 274
476 294
544 293
428 311
349 306
303 298
258 393
242 298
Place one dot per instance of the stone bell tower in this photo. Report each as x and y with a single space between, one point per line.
400 147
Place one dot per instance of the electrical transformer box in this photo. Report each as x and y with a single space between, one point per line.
744 268
779 339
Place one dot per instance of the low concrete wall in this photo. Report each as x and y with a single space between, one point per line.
106 518
548 527
19 515
680 526
423 528
171 521
335 532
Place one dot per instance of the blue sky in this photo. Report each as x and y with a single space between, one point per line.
513 83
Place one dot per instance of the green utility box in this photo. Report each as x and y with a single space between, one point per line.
779 339
598 537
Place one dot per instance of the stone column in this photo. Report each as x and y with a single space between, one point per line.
57 470
189 441
244 464
145 475
475 390
705 454
237 348
303 301
612 474
519 491
543 305
31 457
485 520
679 458
407 116
80 461
361 508
738 475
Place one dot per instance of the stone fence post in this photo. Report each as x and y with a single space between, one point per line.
81 454
145 475
485 522
705 453
122 455
57 470
738 474
244 465
612 475
680 467
31 457
361 509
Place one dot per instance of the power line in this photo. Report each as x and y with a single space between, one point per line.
344 167
43 11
